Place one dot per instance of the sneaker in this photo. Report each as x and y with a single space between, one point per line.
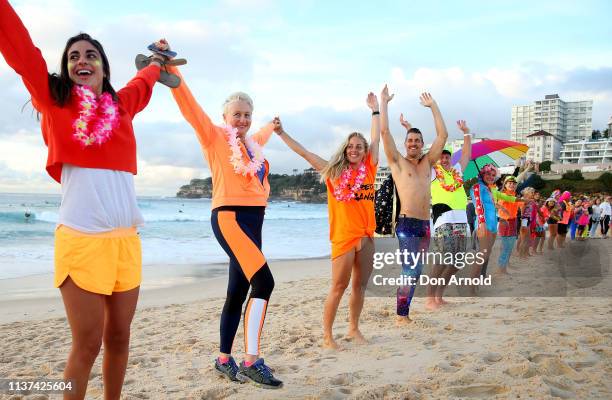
228 369
259 374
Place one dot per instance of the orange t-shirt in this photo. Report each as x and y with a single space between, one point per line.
349 221
510 209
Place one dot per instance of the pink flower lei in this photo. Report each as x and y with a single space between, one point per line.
236 158
340 191
97 117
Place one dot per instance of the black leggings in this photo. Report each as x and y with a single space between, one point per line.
238 231
605 224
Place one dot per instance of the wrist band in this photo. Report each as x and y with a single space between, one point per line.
375 113
467 134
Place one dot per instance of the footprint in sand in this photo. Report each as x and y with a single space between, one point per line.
560 389
478 390
217 393
492 358
539 357
522 370
445 367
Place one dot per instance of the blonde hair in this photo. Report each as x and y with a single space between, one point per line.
528 189
237 96
339 162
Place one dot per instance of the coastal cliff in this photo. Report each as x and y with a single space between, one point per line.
303 187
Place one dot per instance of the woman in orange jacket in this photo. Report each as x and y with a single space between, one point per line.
239 198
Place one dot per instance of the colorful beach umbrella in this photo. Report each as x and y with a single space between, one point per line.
496 151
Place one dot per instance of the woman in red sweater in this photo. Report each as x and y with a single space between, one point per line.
87 127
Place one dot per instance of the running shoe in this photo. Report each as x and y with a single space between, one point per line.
228 369
259 374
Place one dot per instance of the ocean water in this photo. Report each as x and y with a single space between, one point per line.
177 231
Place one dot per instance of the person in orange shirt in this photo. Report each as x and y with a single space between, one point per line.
240 195
508 227
349 177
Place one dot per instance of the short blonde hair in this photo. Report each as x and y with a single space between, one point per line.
237 96
528 189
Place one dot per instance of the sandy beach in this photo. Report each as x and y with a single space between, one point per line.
490 347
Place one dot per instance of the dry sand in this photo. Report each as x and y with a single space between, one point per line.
493 347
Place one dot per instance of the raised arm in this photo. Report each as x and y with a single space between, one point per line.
441 134
191 110
317 162
20 54
372 102
391 152
136 94
263 135
466 150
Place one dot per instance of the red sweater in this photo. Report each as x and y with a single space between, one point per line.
119 152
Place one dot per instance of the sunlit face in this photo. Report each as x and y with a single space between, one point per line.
536 196
528 195
355 151
489 177
85 65
414 145
445 161
510 185
238 114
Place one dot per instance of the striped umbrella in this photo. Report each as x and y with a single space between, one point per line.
498 152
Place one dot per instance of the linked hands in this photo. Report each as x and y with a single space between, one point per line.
278 126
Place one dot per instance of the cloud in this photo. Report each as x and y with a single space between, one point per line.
315 76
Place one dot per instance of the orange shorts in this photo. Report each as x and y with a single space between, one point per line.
341 248
100 263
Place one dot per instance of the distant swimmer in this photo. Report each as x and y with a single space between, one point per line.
28 214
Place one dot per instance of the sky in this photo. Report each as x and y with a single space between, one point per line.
313 63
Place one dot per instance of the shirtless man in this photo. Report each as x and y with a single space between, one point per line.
412 177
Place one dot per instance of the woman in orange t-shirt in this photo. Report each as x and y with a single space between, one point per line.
349 177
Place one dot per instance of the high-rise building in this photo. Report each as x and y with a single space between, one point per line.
565 120
587 152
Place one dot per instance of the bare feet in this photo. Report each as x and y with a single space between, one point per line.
356 336
431 304
502 271
402 321
441 301
330 343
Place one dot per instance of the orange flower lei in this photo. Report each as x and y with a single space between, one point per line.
457 179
